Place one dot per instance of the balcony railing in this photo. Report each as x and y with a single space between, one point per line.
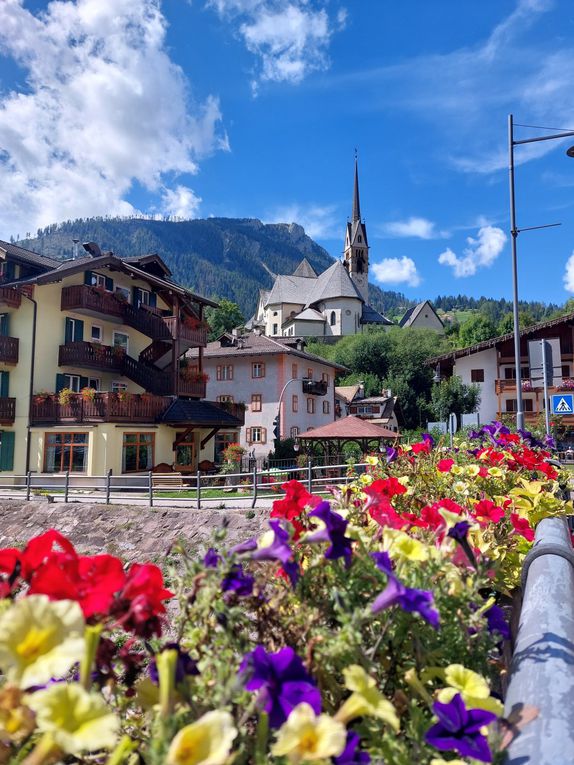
315 387
9 349
107 358
530 386
103 407
7 411
10 297
148 321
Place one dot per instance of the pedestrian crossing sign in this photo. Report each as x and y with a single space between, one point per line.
563 403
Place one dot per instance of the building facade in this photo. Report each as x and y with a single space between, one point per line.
271 377
92 376
491 366
422 316
380 410
331 304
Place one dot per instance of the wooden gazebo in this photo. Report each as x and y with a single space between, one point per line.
350 429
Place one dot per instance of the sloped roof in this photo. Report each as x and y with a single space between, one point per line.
289 289
348 392
335 282
28 256
305 269
411 315
348 427
371 316
309 314
193 412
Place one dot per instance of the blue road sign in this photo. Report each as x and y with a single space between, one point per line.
563 403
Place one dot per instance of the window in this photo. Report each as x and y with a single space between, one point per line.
326 407
142 297
333 319
309 374
121 340
98 280
477 375
275 329
96 334
137 452
72 382
510 373
119 387
310 406
257 369
184 450
295 403
225 398
222 441
257 435
94 382
325 378
565 370
511 404
66 451
224 372
294 432
294 371
256 402
73 330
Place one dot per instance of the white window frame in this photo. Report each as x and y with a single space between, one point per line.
101 330
117 333
118 386
256 429
95 383
99 280
72 382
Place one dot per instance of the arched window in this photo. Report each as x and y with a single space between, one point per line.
333 319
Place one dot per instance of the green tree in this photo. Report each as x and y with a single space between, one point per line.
373 384
506 324
223 319
476 329
453 396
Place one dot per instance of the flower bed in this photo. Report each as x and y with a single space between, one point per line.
366 628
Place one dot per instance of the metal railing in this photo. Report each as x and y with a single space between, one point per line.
193 490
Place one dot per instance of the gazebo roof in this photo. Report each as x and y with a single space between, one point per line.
350 427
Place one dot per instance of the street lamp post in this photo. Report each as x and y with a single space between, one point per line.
514 231
278 418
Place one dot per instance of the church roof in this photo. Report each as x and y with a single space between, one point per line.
305 269
335 282
356 204
309 314
289 289
411 315
370 316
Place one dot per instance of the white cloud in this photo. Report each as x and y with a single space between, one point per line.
180 202
104 107
319 221
420 228
569 274
480 252
396 271
289 37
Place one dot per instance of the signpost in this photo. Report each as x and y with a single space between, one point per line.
562 403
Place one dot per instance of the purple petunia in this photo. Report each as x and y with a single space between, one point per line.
383 562
212 558
496 622
237 581
278 549
459 728
459 531
244 547
351 754
282 682
333 531
428 439
409 599
391 454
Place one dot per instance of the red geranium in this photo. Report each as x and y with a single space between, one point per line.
522 527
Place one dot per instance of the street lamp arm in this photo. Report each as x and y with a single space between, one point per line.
292 379
567 134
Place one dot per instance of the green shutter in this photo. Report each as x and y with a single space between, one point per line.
5 325
69 331
135 296
83 382
109 284
7 450
78 330
4 384
10 270
88 277
153 299
61 382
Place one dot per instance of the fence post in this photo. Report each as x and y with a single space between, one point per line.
254 485
198 490
150 488
309 476
66 486
108 486
28 484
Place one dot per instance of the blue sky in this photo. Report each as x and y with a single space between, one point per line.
253 108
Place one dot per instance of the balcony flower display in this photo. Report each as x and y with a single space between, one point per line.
88 394
527 385
566 384
367 626
193 375
65 396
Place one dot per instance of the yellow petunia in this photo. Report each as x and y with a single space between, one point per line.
473 688
472 470
306 737
457 470
76 720
495 472
206 741
371 459
366 700
40 639
440 761
403 547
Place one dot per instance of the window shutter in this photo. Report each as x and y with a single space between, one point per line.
83 382
4 384
248 435
69 332
88 276
135 297
153 299
78 330
10 270
5 325
109 284
263 435
60 383
230 368
7 450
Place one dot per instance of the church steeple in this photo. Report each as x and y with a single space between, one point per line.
356 203
356 254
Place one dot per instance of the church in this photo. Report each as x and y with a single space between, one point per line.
331 304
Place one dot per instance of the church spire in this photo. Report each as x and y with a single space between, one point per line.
356 204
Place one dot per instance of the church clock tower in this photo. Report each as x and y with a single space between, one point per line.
356 254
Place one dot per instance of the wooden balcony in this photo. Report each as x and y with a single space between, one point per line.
509 386
315 387
93 301
191 388
9 347
104 407
7 411
10 297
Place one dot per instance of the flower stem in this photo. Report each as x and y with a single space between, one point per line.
261 757
42 752
92 639
124 748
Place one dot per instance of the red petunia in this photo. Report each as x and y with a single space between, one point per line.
384 514
444 466
140 603
293 505
522 527
486 511
385 487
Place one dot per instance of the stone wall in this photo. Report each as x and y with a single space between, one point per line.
133 533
